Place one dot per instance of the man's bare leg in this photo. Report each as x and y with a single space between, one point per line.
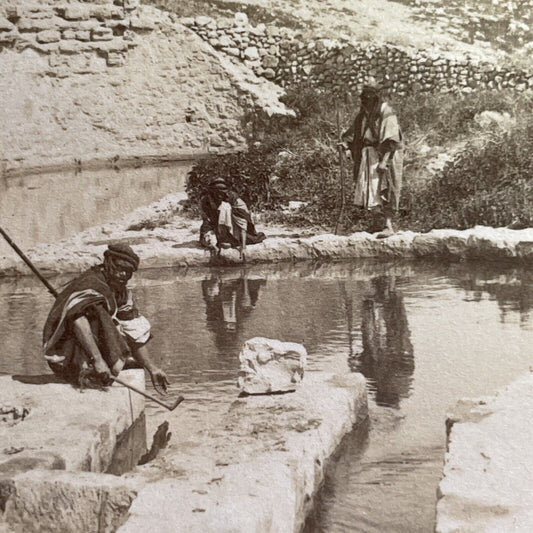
84 335
389 228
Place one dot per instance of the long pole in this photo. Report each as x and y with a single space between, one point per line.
341 166
52 291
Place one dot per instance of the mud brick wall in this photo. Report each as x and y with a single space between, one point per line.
285 57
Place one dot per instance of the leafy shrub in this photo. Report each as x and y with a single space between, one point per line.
487 185
297 159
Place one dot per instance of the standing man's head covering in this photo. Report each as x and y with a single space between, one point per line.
123 252
371 89
371 98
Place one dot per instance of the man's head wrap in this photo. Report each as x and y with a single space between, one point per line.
124 252
218 184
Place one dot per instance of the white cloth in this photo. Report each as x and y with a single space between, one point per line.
136 329
224 215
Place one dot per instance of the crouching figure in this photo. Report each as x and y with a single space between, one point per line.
94 328
226 220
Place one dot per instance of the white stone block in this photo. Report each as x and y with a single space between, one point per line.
270 366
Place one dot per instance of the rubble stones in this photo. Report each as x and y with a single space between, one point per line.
251 53
5 25
102 34
286 58
115 59
142 23
75 12
48 36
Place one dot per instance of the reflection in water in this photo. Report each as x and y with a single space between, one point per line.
385 479
387 359
513 291
228 303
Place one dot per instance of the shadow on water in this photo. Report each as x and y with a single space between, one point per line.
337 477
129 448
387 359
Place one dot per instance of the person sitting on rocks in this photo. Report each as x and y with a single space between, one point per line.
94 328
375 142
226 220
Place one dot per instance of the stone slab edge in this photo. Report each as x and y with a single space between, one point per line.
78 430
488 473
264 492
159 249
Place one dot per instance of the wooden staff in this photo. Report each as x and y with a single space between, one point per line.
33 268
170 407
341 165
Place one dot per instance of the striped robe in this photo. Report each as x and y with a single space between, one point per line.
369 144
114 320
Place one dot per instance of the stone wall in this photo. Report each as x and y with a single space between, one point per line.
101 28
285 57
98 82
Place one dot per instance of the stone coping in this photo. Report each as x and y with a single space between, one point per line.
216 475
253 464
175 244
55 443
65 428
488 473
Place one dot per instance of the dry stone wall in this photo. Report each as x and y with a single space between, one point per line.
283 56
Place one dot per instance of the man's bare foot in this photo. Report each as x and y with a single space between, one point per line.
387 232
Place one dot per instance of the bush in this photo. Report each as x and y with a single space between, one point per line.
297 159
487 185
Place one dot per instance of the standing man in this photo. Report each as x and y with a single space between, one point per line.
375 141
94 326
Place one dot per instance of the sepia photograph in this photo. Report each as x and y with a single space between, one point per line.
266 266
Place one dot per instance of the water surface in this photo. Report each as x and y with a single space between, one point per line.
51 206
424 336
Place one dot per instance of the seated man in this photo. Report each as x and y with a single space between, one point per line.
93 326
226 220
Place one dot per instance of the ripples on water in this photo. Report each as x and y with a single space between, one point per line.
423 336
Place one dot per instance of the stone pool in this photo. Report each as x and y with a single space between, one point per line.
424 335
50 206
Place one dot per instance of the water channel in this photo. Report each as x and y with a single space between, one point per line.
423 335
48 207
